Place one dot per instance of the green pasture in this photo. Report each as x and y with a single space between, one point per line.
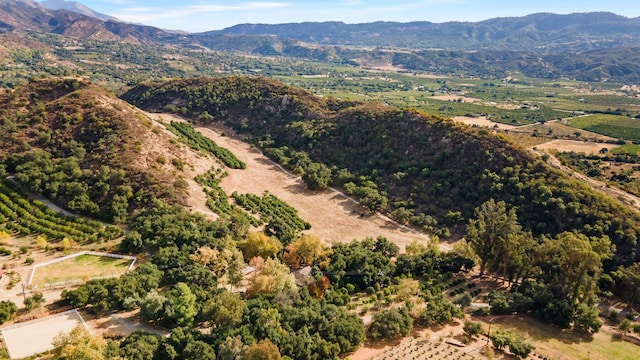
617 126
626 149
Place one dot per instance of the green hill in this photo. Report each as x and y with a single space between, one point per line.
79 145
423 170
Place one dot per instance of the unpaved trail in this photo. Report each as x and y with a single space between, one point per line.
629 200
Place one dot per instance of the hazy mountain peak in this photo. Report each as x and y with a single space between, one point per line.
74 6
30 3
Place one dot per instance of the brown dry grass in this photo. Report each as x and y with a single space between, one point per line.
333 216
586 147
483 122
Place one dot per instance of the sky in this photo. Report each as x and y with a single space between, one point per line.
205 15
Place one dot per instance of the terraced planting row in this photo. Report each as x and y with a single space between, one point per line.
188 135
25 217
217 198
281 218
423 350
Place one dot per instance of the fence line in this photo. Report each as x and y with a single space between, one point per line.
86 252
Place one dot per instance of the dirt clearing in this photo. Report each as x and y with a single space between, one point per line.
333 216
586 147
35 337
483 122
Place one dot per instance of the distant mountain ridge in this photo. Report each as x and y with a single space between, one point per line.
541 33
76 7
29 15
587 46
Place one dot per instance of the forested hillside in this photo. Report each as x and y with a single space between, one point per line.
80 146
541 33
424 170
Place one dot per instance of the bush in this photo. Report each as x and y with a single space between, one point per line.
472 328
390 324
482 311
7 310
29 261
370 290
614 316
625 325
33 302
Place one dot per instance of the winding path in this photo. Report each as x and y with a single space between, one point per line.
629 200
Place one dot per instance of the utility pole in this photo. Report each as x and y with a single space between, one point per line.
489 332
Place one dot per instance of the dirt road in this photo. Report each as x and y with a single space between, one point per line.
631 201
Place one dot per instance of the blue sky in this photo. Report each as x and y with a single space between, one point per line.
203 15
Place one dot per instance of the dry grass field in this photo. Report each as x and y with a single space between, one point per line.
333 216
83 267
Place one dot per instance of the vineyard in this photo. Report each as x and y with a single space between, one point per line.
188 135
620 127
23 217
217 198
282 220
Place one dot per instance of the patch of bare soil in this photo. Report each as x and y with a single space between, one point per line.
586 147
483 122
333 216
455 97
120 324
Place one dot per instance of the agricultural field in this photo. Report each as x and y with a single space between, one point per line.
512 101
77 269
626 149
21 216
617 126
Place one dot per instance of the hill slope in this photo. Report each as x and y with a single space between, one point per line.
31 16
84 148
423 170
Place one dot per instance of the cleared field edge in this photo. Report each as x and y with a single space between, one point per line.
8 329
94 253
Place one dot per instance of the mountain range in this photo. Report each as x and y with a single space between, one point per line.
540 33
72 20
539 45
